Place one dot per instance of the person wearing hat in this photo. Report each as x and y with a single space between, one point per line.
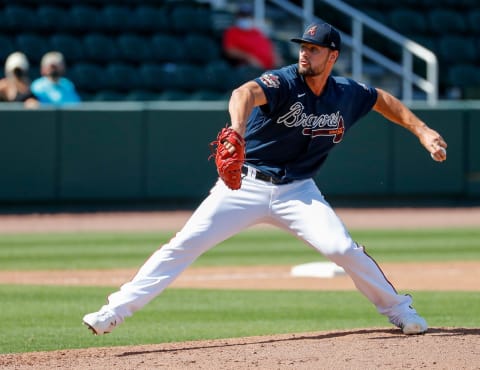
53 87
15 86
245 44
289 119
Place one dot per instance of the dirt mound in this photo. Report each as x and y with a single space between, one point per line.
354 218
440 348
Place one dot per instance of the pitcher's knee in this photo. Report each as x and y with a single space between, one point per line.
345 254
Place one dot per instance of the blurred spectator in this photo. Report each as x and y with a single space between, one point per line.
15 86
244 43
52 87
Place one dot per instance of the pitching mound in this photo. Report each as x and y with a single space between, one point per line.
440 348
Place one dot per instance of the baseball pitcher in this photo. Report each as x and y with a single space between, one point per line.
283 125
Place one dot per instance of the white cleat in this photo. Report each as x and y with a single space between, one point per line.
101 322
411 323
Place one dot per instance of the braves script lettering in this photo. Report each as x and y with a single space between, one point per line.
322 125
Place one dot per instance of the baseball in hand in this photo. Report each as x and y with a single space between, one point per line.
442 149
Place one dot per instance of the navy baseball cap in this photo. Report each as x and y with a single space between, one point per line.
321 34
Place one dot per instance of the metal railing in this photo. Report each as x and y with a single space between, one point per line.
404 70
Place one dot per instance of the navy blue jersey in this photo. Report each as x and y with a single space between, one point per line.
290 136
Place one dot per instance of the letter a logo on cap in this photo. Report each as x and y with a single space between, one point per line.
311 31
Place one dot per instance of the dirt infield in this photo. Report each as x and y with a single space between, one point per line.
441 348
384 348
373 218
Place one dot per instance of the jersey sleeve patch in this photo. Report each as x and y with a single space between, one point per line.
270 80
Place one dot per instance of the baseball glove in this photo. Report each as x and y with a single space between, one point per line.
229 165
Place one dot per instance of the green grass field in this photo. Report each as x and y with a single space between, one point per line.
37 318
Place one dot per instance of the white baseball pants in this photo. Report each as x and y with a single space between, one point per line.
298 207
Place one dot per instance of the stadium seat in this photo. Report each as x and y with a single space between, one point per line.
88 77
108 95
286 50
247 73
464 75
133 48
377 15
145 18
221 20
183 16
457 49
50 18
445 21
34 46
219 75
170 76
407 21
474 22
207 95
4 27
373 38
68 45
166 48
7 47
20 18
186 18
152 76
142 95
99 48
86 97
179 76
328 14
174 95
201 48
82 18
115 18
225 78
458 4
378 4
121 77
420 5
204 21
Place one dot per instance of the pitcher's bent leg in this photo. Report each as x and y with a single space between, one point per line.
311 218
216 219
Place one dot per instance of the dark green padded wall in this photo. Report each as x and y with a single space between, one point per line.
472 139
101 154
414 172
360 163
160 151
178 150
28 155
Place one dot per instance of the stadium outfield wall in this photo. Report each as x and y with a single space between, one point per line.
135 152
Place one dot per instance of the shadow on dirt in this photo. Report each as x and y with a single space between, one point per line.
371 334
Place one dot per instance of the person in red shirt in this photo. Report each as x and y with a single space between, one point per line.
243 43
